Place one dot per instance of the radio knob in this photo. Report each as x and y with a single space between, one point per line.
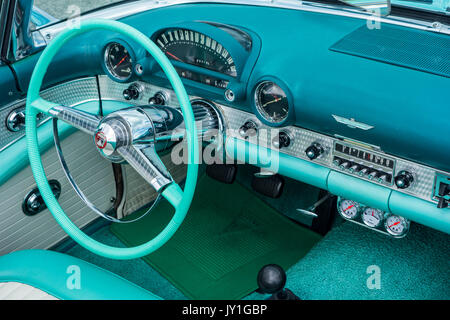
337 161
249 129
314 151
355 168
372 174
282 140
363 171
404 179
345 165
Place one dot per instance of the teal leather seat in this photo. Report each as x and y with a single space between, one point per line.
64 277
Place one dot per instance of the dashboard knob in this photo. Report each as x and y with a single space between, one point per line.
15 121
249 129
314 151
282 140
345 165
132 92
404 179
355 168
372 174
160 98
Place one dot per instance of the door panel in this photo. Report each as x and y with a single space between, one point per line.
93 174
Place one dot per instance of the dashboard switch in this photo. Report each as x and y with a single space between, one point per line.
249 129
160 99
314 151
404 179
132 92
282 140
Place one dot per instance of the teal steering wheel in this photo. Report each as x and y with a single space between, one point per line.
180 199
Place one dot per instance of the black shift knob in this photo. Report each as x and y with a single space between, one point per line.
271 278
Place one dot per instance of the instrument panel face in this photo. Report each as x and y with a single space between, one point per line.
118 61
195 48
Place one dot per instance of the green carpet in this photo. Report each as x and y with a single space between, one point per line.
227 236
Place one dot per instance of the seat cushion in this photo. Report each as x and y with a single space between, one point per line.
63 277
20 291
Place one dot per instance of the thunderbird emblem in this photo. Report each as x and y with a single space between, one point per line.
352 123
100 140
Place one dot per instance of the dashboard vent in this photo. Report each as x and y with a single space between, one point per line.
414 49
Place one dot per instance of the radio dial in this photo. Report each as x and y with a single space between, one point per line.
404 179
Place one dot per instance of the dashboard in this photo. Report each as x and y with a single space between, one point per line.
370 130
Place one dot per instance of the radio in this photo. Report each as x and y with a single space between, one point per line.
363 163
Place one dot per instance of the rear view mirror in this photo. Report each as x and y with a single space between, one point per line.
377 7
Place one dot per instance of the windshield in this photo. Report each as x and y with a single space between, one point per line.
46 12
441 6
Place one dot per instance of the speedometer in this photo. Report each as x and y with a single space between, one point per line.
196 49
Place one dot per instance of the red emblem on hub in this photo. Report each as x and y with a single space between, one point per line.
100 140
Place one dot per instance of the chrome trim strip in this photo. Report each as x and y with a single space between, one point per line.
128 9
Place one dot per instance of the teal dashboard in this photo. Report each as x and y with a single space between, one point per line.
364 123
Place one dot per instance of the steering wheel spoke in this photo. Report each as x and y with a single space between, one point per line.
79 119
147 164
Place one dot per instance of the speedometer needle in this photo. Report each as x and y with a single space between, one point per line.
174 56
349 207
123 59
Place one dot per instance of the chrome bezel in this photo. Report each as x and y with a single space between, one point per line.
380 212
406 223
345 216
107 63
260 108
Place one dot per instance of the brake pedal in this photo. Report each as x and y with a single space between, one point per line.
268 185
225 173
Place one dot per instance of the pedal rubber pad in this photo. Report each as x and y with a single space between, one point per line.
270 186
225 173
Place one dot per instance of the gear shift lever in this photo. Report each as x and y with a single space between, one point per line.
271 280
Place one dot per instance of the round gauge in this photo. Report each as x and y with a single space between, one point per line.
118 61
396 225
271 102
349 209
372 217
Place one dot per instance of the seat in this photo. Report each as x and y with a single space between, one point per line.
43 274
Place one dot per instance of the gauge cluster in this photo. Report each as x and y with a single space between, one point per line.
393 225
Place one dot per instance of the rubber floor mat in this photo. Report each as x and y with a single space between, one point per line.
227 236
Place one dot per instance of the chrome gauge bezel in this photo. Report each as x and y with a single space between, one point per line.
343 214
403 221
262 113
107 65
367 222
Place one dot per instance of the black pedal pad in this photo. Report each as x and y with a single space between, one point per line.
225 173
270 186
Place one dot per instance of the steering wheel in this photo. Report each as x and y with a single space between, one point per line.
141 157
